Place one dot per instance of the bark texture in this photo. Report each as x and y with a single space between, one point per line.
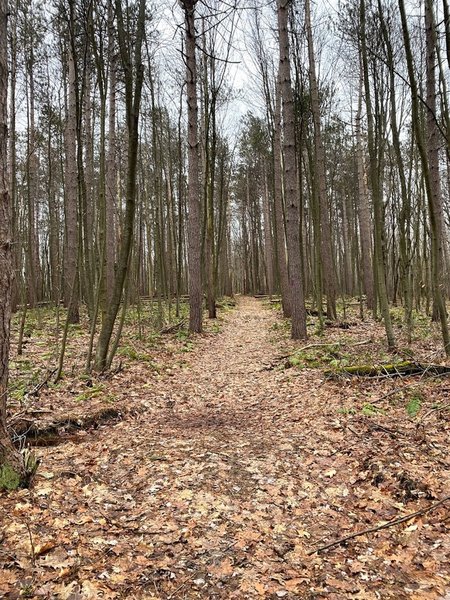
194 217
9 457
298 312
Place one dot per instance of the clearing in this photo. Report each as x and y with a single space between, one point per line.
226 472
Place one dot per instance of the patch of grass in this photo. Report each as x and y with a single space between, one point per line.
92 392
347 411
133 354
414 405
314 358
187 347
226 303
369 410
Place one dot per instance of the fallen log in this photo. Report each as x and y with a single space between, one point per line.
401 369
52 434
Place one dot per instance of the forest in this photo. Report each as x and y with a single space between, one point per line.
224 295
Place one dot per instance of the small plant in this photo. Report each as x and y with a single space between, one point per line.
92 392
187 347
414 405
133 354
346 411
369 410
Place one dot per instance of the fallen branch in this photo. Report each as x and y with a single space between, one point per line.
172 328
401 369
44 383
352 536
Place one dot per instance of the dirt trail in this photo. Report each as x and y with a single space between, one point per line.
218 489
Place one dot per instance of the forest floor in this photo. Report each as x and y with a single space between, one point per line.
222 469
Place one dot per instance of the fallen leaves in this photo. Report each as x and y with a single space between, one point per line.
223 495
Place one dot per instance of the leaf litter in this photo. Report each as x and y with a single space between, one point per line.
224 475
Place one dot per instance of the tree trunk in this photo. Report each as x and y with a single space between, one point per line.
298 317
280 233
71 199
10 459
328 268
429 157
194 217
376 191
364 218
134 75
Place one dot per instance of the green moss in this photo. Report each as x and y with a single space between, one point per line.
133 354
9 478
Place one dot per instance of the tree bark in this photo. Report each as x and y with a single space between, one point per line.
134 76
194 217
278 212
328 268
380 269
428 152
298 312
9 457
364 218
71 199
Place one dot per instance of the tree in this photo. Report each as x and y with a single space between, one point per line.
133 70
429 156
328 269
375 185
194 218
12 466
298 312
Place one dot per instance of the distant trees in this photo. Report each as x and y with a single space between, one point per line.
126 179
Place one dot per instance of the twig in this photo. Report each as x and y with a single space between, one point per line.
379 527
172 328
413 384
431 411
36 390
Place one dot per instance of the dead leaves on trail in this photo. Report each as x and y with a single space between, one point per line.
221 480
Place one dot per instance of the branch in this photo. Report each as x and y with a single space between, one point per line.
379 527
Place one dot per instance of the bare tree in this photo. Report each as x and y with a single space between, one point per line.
11 464
298 312
131 61
194 219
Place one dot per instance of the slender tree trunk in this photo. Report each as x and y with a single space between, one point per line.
298 312
111 166
280 233
364 218
375 188
268 245
12 158
194 217
429 156
134 76
71 199
10 459
328 268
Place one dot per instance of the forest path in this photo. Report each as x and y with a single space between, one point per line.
230 471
